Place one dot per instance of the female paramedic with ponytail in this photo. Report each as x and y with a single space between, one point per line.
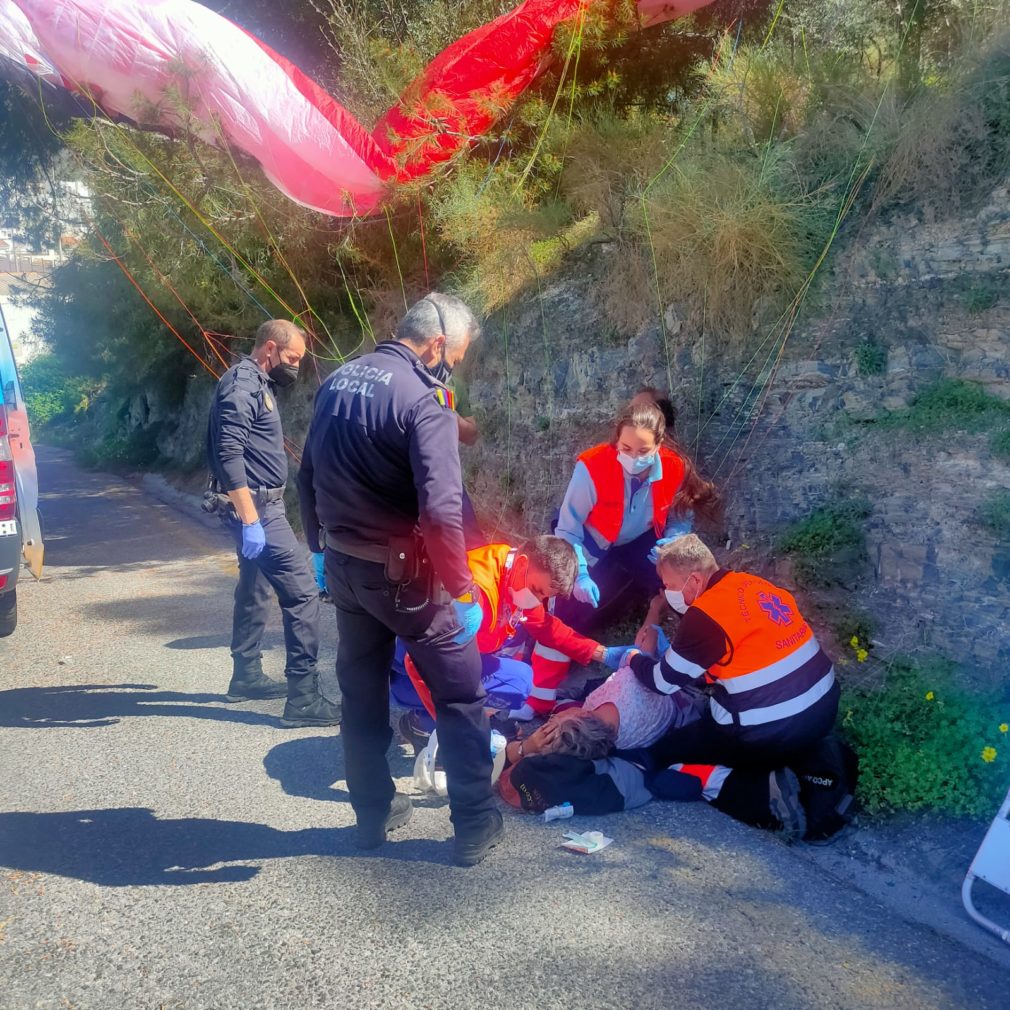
625 499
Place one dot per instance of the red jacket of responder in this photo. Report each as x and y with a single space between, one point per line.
607 474
773 666
491 568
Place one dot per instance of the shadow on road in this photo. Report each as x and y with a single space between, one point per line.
309 766
131 847
219 641
86 706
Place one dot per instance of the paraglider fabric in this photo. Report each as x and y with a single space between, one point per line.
175 63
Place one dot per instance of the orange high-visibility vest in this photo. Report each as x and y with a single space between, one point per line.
773 667
607 474
490 567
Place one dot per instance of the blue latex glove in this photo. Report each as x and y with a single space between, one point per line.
586 591
319 570
613 655
254 539
662 642
654 553
469 616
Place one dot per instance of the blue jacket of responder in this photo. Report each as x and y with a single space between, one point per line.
245 443
382 457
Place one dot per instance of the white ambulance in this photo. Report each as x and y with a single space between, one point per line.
20 523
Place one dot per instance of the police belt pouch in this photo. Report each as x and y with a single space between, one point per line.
403 561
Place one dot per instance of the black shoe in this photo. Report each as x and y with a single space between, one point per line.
473 845
407 727
249 683
784 804
371 834
306 706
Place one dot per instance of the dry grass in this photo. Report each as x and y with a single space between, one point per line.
955 145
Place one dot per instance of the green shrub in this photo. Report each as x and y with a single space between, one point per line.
952 404
994 513
999 445
924 745
871 357
828 543
980 297
51 394
122 450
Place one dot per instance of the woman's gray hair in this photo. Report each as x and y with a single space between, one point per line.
585 736
435 314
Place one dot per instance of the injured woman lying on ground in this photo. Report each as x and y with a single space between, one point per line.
596 756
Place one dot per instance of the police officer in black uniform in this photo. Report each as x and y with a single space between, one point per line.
245 453
381 475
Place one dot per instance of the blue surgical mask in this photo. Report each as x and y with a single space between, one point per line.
636 464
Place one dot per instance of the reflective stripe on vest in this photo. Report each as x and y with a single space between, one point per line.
552 655
772 713
773 667
544 693
677 662
607 475
711 777
776 671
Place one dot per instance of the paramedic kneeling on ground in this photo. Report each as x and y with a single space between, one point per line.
774 690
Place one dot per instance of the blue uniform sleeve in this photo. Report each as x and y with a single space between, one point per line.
434 459
580 497
236 410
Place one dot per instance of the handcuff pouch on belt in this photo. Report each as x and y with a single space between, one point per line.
408 568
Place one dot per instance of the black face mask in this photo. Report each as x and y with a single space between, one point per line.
442 371
283 374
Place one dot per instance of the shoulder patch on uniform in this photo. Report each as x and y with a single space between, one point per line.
446 397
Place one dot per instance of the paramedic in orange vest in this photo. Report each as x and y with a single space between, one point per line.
773 688
622 502
513 585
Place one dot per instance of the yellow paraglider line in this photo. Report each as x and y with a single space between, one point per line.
576 40
271 239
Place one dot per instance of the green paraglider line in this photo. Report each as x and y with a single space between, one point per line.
396 258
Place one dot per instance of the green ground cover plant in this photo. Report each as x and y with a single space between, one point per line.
924 744
828 545
994 513
952 405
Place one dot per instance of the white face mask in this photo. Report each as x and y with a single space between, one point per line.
675 597
636 464
525 598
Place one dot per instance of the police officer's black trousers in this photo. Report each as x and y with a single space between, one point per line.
282 569
368 622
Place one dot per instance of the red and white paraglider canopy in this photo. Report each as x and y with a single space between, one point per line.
130 56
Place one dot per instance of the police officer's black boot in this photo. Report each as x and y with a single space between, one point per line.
306 706
474 842
249 683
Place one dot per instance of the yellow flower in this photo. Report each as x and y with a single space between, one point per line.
930 696
1003 727
861 655
988 754
854 641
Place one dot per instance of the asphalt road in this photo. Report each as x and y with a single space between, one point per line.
162 849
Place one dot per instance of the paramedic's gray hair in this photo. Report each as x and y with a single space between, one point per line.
280 331
584 736
436 314
687 554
